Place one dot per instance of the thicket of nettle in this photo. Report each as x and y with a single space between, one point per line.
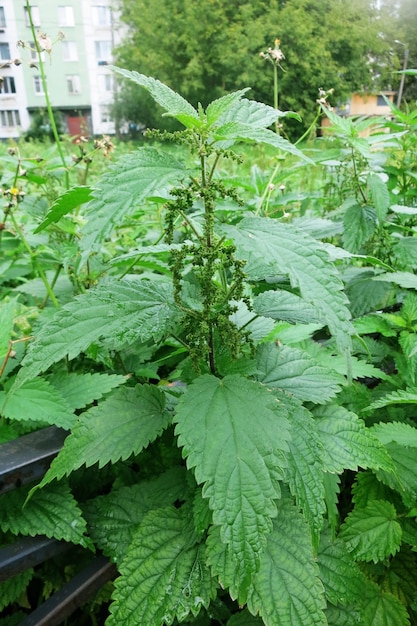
235 359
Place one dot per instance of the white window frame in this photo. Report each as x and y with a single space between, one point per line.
38 86
103 50
8 85
105 117
10 119
2 17
101 15
32 51
73 84
36 18
4 46
107 83
69 50
65 15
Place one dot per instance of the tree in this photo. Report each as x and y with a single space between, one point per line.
204 50
408 36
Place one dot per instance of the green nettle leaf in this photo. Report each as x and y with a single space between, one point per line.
403 434
296 372
120 313
164 575
304 473
121 425
284 305
174 104
374 324
382 608
347 442
287 589
79 390
367 488
272 248
37 400
123 187
52 511
372 533
331 495
359 226
234 432
380 196
404 478
114 518
242 131
400 396
7 312
407 280
13 588
367 294
343 615
67 202
342 579
244 111
8 432
201 513
225 566
405 251
226 106
399 577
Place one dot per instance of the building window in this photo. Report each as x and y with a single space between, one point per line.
7 85
101 15
73 84
2 18
4 52
103 51
69 51
9 118
105 114
107 82
32 51
38 86
34 10
380 101
65 16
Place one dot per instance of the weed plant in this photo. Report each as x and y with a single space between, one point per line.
234 358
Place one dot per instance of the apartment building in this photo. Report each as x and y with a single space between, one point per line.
78 37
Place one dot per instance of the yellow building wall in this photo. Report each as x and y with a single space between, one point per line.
367 104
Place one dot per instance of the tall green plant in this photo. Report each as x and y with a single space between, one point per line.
209 420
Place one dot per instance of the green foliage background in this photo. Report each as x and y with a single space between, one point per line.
205 50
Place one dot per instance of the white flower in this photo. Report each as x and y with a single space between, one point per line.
45 42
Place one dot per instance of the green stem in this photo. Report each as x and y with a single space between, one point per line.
356 177
46 93
215 162
208 233
53 283
252 319
34 260
190 224
310 128
276 95
267 189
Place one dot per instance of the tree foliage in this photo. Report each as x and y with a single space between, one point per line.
207 49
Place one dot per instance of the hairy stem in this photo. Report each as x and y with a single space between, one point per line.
47 99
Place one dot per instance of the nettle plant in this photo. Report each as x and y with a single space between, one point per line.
206 381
